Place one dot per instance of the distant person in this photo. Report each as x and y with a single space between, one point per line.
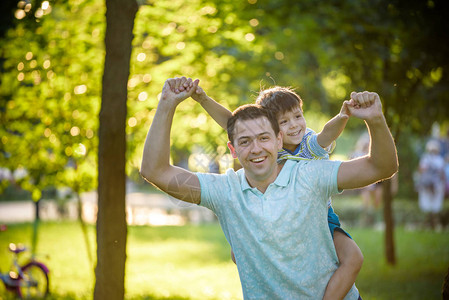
446 174
302 143
444 145
274 215
431 183
444 151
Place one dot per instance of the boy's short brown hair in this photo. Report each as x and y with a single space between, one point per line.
279 99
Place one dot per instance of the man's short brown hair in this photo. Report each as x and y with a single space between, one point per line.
250 112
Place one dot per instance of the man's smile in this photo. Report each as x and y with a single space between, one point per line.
258 159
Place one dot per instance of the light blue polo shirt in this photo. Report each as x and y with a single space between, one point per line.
281 239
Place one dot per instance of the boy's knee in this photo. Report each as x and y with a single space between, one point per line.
357 258
354 258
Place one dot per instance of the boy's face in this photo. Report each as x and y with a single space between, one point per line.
293 127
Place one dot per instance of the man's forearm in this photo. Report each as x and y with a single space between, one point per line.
382 148
332 130
156 153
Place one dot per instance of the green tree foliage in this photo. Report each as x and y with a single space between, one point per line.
397 47
233 47
50 96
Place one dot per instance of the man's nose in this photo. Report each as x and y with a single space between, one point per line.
256 147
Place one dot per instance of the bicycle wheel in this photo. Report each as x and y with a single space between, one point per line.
34 282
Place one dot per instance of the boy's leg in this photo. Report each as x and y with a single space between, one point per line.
351 260
233 256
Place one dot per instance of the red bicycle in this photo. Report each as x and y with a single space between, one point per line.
27 281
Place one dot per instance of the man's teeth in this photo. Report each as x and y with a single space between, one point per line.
257 159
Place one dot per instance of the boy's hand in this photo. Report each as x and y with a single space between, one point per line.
199 95
345 111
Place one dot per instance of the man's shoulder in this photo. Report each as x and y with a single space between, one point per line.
311 164
229 176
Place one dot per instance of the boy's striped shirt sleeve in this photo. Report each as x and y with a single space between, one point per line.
308 149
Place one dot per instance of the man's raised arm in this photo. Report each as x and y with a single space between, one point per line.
382 160
156 167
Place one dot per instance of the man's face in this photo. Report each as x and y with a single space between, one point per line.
293 126
256 146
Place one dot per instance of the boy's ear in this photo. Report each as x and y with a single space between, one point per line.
231 148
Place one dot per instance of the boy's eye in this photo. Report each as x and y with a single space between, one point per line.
282 122
298 116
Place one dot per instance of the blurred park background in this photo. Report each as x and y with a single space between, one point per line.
79 87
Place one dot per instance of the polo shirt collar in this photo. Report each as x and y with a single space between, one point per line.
284 176
282 179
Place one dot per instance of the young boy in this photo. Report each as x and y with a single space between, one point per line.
300 142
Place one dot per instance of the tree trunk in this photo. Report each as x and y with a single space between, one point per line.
35 227
111 218
387 198
445 288
389 190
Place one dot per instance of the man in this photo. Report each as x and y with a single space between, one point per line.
273 215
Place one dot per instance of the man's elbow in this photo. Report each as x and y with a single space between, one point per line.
147 172
145 175
390 170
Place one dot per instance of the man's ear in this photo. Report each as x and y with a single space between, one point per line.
231 148
280 139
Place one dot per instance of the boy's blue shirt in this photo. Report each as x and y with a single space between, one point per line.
308 148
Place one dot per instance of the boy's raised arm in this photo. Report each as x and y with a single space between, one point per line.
156 167
333 128
217 111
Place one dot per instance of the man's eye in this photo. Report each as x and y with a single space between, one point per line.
243 143
264 138
282 122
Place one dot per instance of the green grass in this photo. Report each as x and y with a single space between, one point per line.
192 262
422 262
